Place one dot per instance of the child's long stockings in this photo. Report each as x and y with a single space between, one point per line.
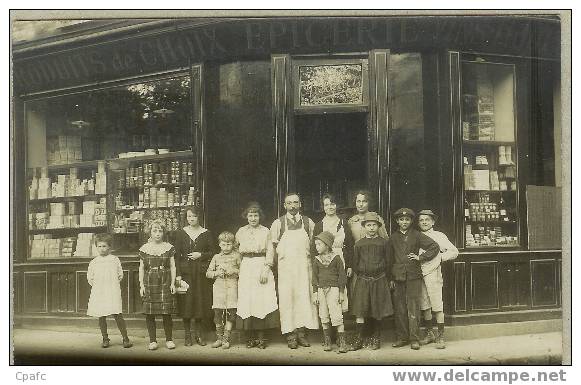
167 326
103 327
121 325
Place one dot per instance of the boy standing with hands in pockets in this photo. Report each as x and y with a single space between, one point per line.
407 277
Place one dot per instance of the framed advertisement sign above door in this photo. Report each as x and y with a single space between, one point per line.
330 86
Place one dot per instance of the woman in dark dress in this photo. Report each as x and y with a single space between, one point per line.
195 246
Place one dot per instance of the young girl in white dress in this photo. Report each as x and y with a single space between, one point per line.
104 275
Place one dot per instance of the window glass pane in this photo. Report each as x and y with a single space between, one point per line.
408 155
241 161
103 124
94 160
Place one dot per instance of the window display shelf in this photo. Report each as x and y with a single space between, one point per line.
83 164
493 191
150 208
68 199
122 162
487 143
158 185
493 222
68 230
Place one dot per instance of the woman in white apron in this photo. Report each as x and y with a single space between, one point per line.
257 303
343 244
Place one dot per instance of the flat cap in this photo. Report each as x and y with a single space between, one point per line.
404 212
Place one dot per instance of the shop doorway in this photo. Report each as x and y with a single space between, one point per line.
330 118
330 156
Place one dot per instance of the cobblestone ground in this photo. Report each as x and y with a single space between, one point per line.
48 347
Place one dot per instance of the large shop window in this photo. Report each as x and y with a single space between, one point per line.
108 160
490 159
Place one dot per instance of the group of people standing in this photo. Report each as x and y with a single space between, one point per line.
323 271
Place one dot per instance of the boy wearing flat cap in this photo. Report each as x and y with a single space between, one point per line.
329 281
433 280
406 274
372 270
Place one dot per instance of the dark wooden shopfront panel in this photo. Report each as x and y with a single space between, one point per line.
17 291
62 292
460 292
514 284
35 292
135 295
484 285
544 282
83 291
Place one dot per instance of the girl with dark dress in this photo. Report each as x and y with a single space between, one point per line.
194 247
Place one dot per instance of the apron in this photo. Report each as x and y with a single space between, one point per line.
295 282
254 298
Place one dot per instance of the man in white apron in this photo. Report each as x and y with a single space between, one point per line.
291 236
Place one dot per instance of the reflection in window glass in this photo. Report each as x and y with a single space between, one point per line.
407 153
106 123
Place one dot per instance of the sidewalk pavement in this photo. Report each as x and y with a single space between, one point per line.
47 347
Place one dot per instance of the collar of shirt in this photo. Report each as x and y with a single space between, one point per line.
367 236
404 232
293 217
430 231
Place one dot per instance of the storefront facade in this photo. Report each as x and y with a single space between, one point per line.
457 114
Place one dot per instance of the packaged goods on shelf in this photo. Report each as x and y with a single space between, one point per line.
64 149
494 182
86 220
44 188
57 209
33 188
68 247
486 131
88 207
42 220
481 179
55 222
84 246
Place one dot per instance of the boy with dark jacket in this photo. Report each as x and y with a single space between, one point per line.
404 245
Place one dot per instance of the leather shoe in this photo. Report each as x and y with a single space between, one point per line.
399 343
415 345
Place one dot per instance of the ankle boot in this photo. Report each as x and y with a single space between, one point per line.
327 343
358 341
342 343
302 338
251 340
429 338
291 340
199 334
226 339
376 337
440 343
188 338
219 336
261 340
106 342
